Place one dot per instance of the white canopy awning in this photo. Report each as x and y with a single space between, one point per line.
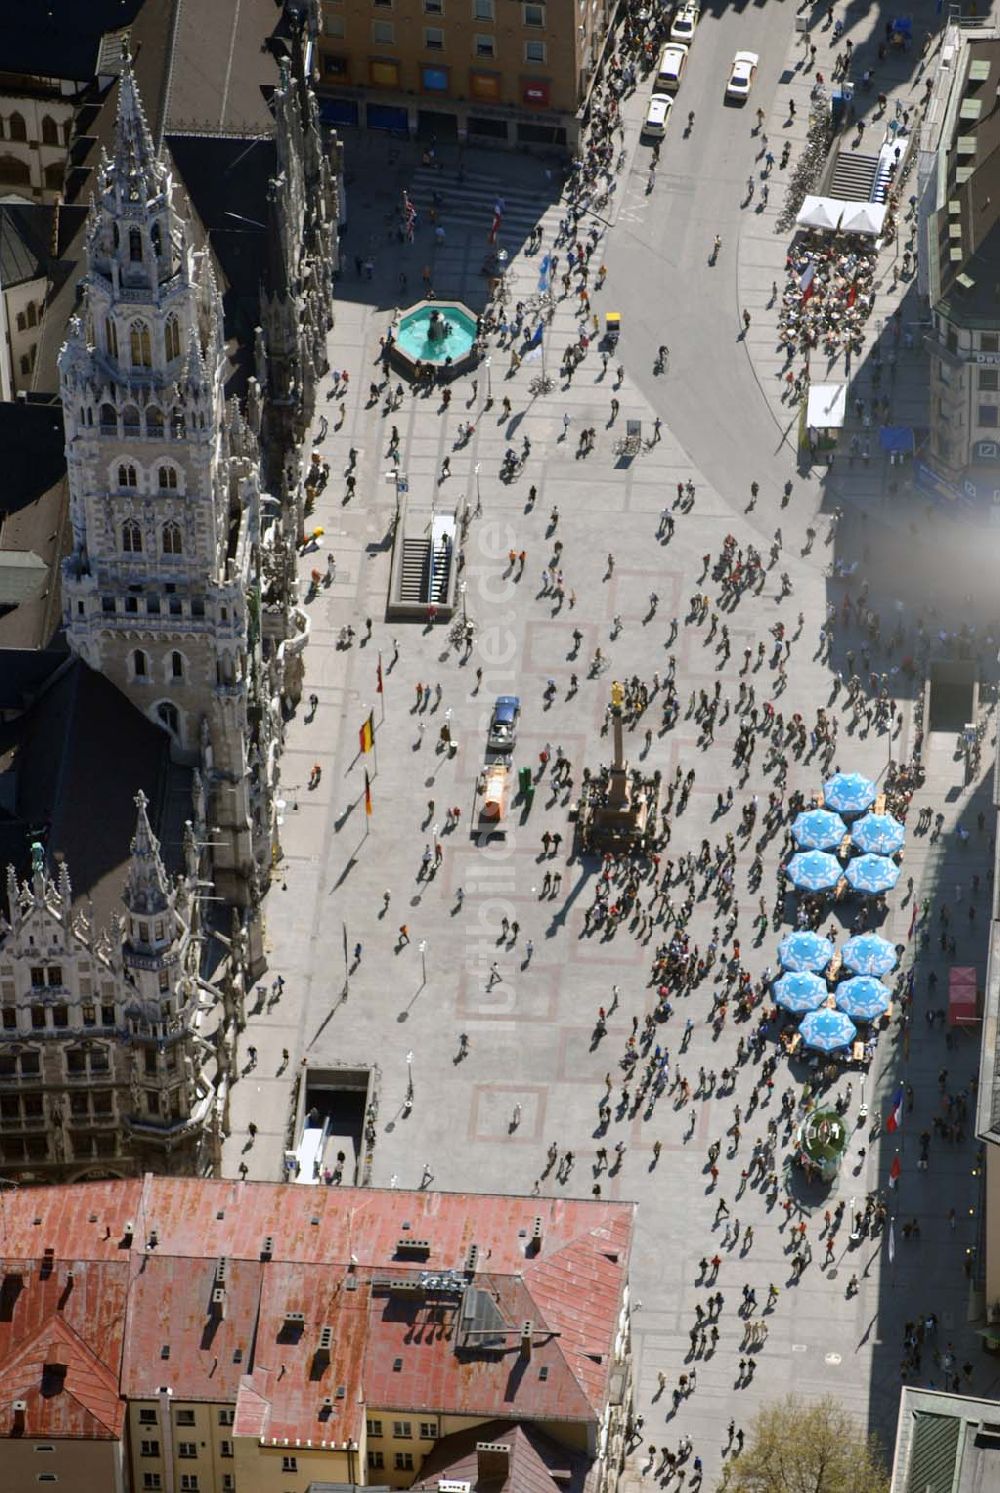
827 407
848 217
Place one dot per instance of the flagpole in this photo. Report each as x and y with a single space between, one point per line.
374 748
381 680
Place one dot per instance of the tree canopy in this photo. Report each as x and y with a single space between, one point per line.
802 1446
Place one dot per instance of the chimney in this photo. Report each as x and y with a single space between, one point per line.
20 1409
526 1328
493 1459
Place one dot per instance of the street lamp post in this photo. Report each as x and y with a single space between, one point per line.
489 382
409 1082
423 960
479 508
462 586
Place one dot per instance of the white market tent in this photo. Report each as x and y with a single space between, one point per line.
845 217
827 407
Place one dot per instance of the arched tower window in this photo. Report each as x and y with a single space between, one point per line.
111 338
17 127
172 337
130 420
131 537
177 426
127 478
109 417
176 665
139 344
168 479
173 540
156 239
154 421
135 245
167 715
140 664
50 133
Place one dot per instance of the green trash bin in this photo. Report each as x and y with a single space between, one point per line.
524 780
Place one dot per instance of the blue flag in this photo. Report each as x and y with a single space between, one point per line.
535 339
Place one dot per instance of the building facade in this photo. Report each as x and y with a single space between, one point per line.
509 72
100 1055
960 218
161 592
36 123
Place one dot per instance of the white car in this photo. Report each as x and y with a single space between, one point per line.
657 115
668 77
685 21
741 78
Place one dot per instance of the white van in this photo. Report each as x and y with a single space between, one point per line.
672 62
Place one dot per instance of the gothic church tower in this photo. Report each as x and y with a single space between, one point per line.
161 590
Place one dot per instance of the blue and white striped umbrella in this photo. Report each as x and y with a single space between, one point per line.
818 829
814 870
827 1030
805 950
863 998
800 991
881 834
869 954
849 792
872 874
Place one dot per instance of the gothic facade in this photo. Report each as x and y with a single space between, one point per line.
101 1060
162 589
302 259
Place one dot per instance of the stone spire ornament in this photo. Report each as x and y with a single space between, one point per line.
147 889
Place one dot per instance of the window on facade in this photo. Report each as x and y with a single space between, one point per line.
132 604
434 7
334 25
989 342
107 1015
38 1018
434 38
168 479
147 1417
402 1430
403 1461
375 1428
16 127
483 10
167 716
189 1482
228 1482
534 51
140 664
289 1464
50 130
108 417
225 1447
111 339
134 245
130 421
60 1016
176 665
185 1417
989 378
151 1480
376 1461
37 977
54 976
428 1430
88 1015
140 347
172 539
989 416
534 15
128 477
131 532
178 427
150 1448
226 1417
172 337
8 1018
484 46
383 33
187 1449
154 422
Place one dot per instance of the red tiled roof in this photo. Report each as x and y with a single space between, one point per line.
568 1283
48 1319
537 1464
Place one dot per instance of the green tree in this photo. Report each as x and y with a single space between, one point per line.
800 1446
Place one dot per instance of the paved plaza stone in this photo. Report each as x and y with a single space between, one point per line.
531 1030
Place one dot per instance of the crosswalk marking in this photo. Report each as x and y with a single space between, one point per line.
470 203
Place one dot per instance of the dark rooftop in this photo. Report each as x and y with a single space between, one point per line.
58 753
60 38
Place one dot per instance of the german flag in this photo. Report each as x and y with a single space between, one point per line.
368 797
367 734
